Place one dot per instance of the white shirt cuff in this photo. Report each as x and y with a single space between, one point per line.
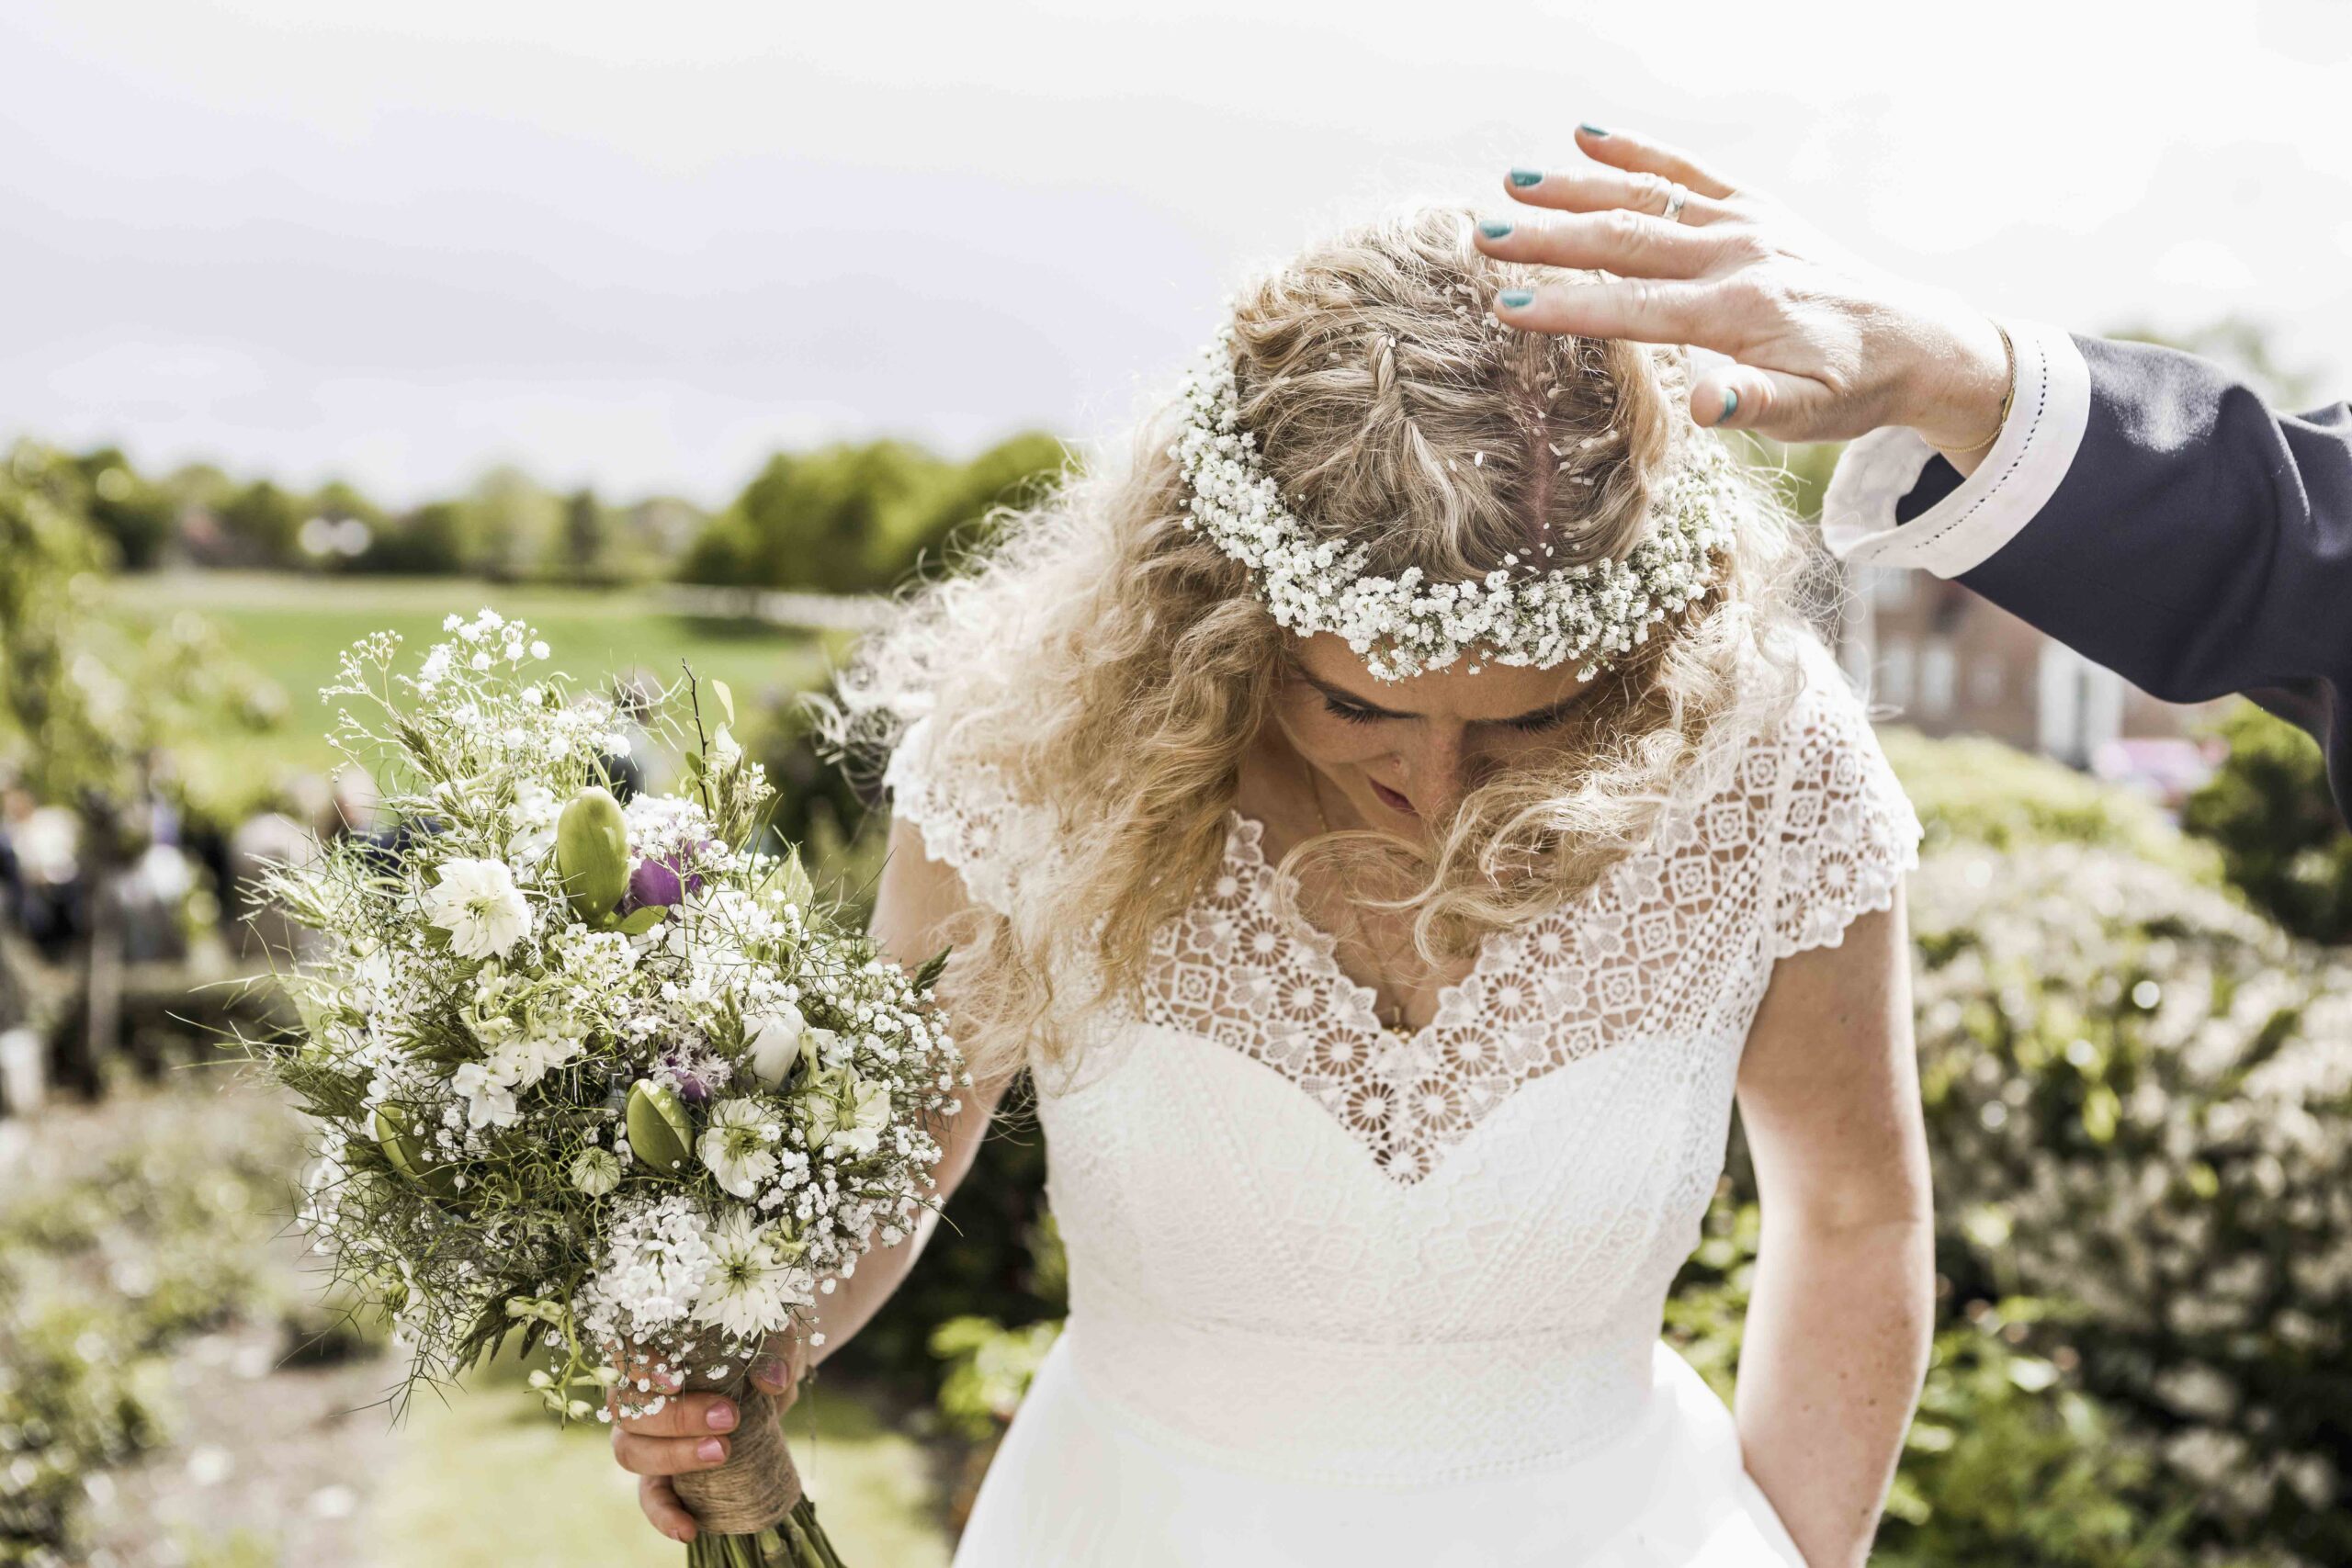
2050 407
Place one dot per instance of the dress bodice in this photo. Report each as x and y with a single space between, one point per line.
1302 1244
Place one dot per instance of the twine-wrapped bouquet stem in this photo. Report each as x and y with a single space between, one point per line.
751 1511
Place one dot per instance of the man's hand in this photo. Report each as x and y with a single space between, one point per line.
1825 347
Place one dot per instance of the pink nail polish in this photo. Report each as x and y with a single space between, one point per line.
722 1417
710 1449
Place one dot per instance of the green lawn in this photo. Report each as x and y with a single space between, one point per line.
292 628
489 1480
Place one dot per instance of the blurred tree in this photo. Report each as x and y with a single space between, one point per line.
263 522
427 542
585 540
2268 810
817 519
511 523
135 516
849 519
1014 472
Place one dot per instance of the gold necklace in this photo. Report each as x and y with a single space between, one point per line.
1315 791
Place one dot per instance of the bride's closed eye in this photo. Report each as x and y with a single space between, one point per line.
1530 725
1349 711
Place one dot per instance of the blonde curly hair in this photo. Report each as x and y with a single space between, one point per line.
1114 667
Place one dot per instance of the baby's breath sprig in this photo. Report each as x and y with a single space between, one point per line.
1591 613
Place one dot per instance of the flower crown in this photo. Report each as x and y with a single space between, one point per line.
1592 613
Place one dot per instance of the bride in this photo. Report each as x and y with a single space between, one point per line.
1394 812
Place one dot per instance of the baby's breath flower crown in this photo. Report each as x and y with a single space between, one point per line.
1592 613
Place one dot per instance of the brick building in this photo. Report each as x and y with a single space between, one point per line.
1937 657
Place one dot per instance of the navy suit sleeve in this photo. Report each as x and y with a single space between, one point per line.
2199 543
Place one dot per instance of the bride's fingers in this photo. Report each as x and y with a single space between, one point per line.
1592 189
1619 241
1643 309
1630 151
659 1500
667 1456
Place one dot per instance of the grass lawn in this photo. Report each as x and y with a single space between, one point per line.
292 628
487 1479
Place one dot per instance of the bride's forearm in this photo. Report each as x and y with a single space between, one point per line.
1829 1373
852 1303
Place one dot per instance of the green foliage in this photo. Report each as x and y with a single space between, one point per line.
1976 790
2139 1109
263 521
427 542
134 516
989 1368
848 519
2268 811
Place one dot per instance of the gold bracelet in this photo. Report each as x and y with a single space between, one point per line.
2009 354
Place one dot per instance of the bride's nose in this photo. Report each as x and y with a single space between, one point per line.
1438 772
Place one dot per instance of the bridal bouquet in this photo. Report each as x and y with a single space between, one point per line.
602 1075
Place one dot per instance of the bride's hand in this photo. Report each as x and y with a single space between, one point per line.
691 1431
1826 347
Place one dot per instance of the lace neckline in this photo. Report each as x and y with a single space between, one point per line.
1245 847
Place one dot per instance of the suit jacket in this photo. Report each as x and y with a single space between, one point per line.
2146 507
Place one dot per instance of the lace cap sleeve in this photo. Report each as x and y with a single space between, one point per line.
1847 832
967 815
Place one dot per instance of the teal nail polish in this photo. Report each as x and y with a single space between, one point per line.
1493 228
1516 298
1525 177
1591 130
1731 405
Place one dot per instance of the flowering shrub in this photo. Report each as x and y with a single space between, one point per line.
2139 1102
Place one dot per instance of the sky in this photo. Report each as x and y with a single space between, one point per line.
642 247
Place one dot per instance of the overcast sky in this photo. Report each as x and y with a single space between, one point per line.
641 246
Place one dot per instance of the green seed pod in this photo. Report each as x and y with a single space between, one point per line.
659 1133
592 853
405 1150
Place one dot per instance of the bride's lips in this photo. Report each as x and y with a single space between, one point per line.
1390 798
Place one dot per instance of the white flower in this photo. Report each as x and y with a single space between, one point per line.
735 1146
868 1113
489 1103
596 1172
844 1112
775 1044
749 1287
477 903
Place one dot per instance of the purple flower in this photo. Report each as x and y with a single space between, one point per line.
693 1074
663 879
655 881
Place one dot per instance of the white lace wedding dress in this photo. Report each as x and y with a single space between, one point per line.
1339 1297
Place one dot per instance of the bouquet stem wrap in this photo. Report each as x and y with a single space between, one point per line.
757 1485
751 1511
